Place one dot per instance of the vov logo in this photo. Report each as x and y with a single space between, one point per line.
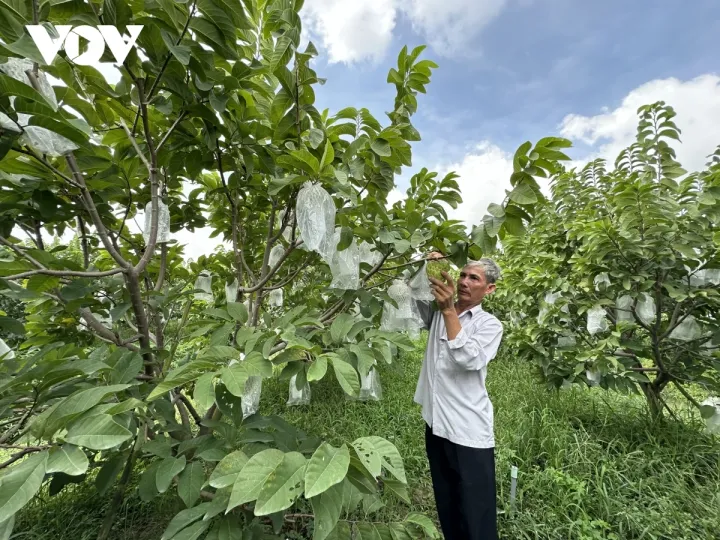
97 38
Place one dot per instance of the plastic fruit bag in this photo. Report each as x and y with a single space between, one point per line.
298 396
420 285
593 377
368 254
623 306
601 281
17 69
566 341
687 330
275 254
163 233
370 387
596 320
711 417
707 276
344 265
231 290
251 396
645 308
6 353
275 298
204 284
315 210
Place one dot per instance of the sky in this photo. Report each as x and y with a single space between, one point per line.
517 70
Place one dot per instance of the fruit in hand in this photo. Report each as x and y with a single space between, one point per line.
435 268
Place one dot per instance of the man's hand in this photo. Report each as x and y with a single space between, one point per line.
444 293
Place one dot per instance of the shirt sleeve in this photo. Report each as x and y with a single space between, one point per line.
426 312
474 347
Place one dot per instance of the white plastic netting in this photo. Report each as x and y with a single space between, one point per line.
596 320
368 254
315 210
6 353
203 286
370 387
593 377
687 330
623 306
420 285
601 281
163 233
298 396
708 276
231 290
566 341
38 138
404 318
251 396
645 308
712 421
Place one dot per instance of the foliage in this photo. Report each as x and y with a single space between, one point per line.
615 283
123 367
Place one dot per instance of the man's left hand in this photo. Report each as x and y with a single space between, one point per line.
444 293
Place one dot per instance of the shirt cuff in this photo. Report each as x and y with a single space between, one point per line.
459 340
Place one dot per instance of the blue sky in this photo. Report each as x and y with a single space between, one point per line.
517 72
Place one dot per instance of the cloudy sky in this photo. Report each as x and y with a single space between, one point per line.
517 70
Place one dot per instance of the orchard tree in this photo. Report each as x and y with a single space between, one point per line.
615 283
135 362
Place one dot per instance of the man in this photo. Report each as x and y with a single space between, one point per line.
459 437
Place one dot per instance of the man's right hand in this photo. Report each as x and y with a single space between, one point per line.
434 256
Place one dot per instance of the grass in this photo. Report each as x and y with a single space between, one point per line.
591 464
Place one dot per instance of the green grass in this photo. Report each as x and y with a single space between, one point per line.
591 465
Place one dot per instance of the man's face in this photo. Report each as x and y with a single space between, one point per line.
472 287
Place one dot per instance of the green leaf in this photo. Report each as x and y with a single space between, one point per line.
204 392
346 238
20 484
283 487
190 483
12 326
492 225
496 210
98 432
389 455
425 523
234 378
6 528
327 508
253 476
109 473
327 467
317 369
238 311
187 373
127 368
523 194
346 376
341 327
398 488
184 518
381 147
147 487
169 468
11 87
368 456
68 459
226 472
193 532
328 155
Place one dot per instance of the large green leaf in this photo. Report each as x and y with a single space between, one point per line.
183 519
67 459
389 455
327 467
283 487
6 528
20 484
341 327
368 456
187 373
98 432
317 369
204 392
253 476
226 472
327 508
190 483
346 376
169 468
235 378
238 311
523 194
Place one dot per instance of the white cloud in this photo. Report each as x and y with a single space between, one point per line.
449 25
484 177
697 103
354 31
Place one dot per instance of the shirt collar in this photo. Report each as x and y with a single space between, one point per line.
473 311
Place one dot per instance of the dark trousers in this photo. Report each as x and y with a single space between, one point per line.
464 483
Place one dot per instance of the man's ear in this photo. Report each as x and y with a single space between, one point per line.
491 288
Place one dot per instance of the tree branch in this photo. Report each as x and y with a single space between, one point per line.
65 273
685 393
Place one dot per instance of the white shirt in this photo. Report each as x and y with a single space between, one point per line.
451 389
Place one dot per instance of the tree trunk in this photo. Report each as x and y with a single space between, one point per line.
652 396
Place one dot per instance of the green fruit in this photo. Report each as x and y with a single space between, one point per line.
435 268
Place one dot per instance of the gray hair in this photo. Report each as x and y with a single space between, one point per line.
490 269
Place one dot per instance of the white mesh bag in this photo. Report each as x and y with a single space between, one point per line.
344 265
315 210
204 284
298 396
251 396
401 293
231 290
593 377
368 254
420 285
596 320
712 422
645 308
163 234
707 276
687 330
